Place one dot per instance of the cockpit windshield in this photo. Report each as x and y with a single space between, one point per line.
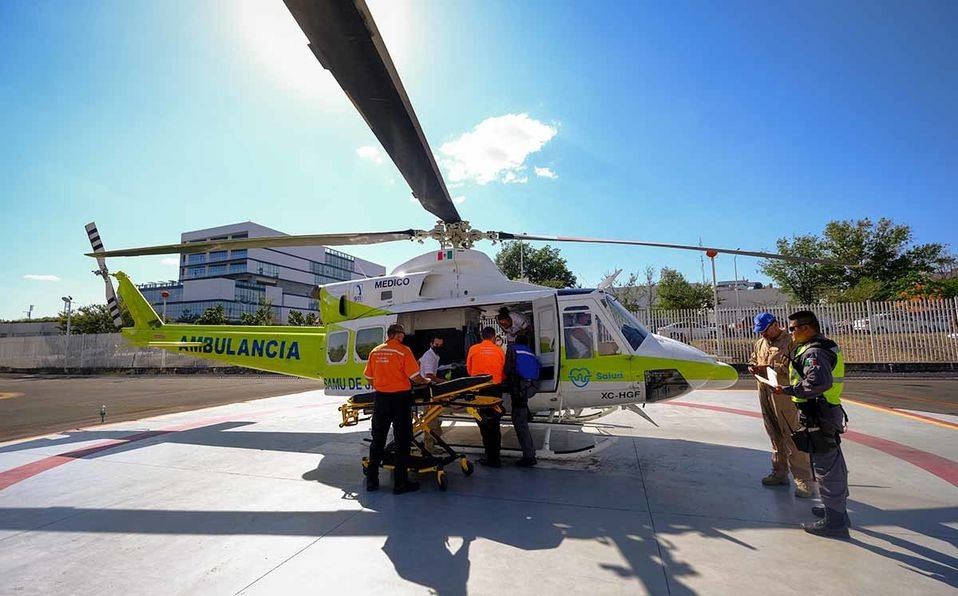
631 328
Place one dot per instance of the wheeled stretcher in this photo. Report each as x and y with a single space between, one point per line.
429 401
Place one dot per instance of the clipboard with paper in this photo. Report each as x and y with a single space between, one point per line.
771 379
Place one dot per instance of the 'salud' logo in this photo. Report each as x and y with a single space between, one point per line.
580 376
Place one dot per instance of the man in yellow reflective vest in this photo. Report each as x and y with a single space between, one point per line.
816 379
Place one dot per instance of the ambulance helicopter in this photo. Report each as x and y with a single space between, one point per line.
452 291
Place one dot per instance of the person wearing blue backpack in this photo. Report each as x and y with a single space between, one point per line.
522 380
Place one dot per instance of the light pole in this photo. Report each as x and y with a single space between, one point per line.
164 295
68 308
711 254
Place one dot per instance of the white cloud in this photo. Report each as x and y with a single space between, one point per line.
370 153
458 200
170 261
36 277
545 173
495 150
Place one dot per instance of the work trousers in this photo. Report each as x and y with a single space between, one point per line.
781 418
435 430
520 422
489 428
394 409
829 466
520 390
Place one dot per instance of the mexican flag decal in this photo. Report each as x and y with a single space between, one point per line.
445 255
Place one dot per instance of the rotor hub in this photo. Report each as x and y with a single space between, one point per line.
458 235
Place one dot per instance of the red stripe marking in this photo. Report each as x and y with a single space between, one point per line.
942 467
19 474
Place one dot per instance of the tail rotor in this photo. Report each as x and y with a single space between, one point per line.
94 235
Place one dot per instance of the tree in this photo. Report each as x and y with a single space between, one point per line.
923 287
541 266
95 318
628 294
262 316
677 293
298 319
214 315
881 251
649 286
187 317
806 282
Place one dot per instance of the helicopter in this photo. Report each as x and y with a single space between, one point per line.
596 356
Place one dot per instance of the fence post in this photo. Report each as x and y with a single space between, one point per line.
871 333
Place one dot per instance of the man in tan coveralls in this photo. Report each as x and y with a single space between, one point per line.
772 350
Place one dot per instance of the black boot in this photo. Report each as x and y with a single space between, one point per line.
833 525
372 481
819 511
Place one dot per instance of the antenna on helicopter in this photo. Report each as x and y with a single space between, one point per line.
609 279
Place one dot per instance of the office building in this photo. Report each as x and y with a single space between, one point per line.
243 280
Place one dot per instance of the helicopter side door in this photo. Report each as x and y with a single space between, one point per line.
596 368
546 327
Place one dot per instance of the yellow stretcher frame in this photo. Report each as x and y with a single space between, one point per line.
432 401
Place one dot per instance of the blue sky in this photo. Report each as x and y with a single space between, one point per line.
735 123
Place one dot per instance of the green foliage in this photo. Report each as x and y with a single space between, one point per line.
262 316
541 266
917 287
95 318
628 294
676 292
806 282
298 319
864 290
881 251
187 317
33 320
634 296
214 315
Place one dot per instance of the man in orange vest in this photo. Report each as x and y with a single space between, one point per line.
392 369
486 358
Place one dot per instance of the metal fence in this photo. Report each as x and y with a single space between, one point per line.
868 332
89 351
923 331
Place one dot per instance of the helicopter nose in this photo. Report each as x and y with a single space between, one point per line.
723 376
705 371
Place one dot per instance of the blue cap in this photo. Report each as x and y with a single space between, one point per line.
763 320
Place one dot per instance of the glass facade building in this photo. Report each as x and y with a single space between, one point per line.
244 280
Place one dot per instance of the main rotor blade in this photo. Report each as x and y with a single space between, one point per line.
345 40
730 251
262 242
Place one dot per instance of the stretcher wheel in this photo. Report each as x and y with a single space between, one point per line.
441 480
467 467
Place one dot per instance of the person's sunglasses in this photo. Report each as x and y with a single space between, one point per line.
792 328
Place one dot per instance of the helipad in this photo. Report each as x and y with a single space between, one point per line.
265 497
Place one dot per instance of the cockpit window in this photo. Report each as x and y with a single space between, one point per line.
631 328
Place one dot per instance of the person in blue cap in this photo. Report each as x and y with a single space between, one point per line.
772 350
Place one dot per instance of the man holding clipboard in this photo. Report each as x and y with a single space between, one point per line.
769 364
